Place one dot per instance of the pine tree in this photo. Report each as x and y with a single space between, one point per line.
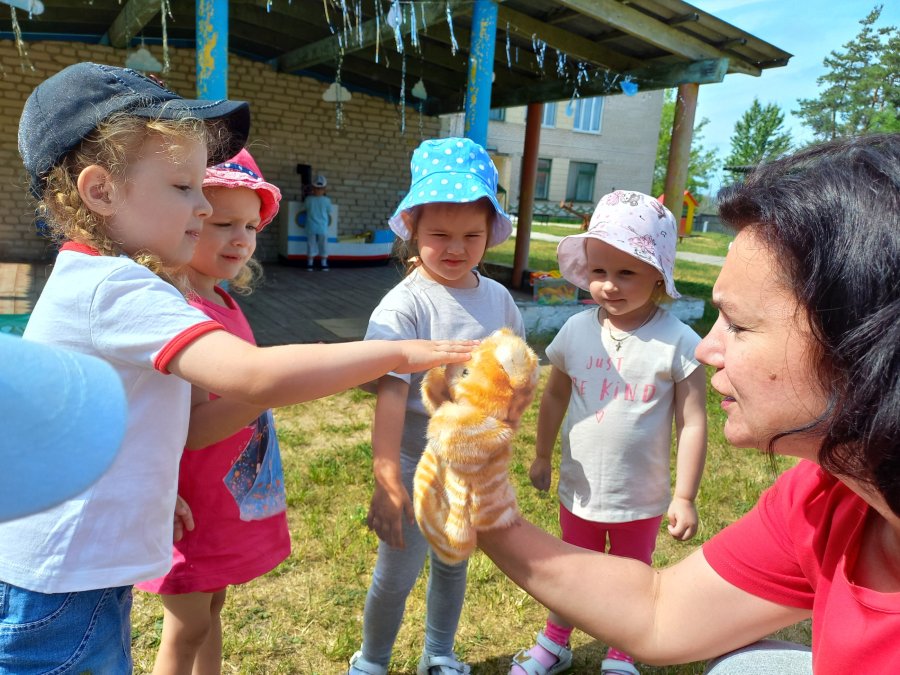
862 85
758 136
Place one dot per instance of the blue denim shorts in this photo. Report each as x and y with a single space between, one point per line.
62 633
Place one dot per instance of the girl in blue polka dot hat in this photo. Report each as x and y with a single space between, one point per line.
447 221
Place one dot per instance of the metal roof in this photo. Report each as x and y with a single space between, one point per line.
545 50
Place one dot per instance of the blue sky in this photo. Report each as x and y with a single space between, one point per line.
808 29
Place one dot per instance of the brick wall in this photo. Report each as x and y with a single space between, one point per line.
366 161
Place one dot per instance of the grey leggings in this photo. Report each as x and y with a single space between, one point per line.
765 657
395 574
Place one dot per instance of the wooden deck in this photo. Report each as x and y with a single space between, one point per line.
291 305
20 285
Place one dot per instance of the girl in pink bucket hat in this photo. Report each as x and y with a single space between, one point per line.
621 371
234 486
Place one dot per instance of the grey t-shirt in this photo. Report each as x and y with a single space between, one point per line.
418 308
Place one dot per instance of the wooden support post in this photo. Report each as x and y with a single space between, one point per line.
680 148
527 178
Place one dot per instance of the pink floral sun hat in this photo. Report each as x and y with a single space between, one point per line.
632 222
242 171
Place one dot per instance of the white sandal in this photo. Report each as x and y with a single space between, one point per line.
617 667
446 665
532 666
359 665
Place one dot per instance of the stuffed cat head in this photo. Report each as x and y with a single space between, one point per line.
499 379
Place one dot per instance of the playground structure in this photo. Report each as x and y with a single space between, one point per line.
686 221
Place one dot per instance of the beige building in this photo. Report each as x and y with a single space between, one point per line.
588 147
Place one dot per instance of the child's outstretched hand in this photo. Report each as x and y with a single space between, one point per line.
540 473
683 518
425 354
184 519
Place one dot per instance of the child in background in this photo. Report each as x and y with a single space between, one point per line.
622 370
235 487
118 163
447 220
318 218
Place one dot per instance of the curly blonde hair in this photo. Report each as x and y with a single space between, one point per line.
111 146
246 280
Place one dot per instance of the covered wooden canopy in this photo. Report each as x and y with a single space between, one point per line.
545 50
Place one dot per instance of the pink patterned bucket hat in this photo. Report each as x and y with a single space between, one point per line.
632 222
455 170
242 171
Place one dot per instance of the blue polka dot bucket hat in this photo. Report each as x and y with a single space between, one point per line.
455 170
632 222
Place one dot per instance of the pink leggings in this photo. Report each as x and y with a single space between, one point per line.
634 539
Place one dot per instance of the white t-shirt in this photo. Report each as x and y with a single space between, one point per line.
118 531
418 308
617 432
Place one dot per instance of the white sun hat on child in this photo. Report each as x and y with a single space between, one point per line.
454 170
631 222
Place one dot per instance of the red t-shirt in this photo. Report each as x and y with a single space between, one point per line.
222 549
798 548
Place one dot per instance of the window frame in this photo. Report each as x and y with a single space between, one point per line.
578 170
593 115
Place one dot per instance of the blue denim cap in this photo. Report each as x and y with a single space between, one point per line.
63 109
63 416
455 170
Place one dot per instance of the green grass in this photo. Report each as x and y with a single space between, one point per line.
306 616
708 243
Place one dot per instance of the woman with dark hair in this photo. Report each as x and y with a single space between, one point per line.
806 352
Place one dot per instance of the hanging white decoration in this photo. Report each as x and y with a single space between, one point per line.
336 92
395 20
24 61
453 45
141 59
418 90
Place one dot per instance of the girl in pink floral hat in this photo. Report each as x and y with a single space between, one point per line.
621 371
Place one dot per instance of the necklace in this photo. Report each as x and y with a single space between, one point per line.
620 340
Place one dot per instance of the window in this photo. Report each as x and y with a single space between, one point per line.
549 115
542 181
497 114
582 176
587 114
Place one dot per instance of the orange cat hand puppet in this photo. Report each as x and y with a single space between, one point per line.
461 483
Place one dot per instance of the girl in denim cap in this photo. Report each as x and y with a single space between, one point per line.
446 222
118 163
235 486
622 371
